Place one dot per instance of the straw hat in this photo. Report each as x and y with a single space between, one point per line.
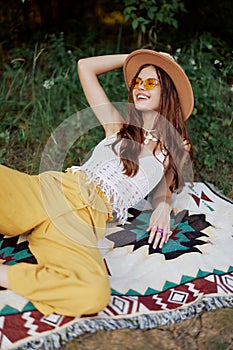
138 58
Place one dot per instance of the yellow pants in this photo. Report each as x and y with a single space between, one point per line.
65 216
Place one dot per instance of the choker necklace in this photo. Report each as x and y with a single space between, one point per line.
149 137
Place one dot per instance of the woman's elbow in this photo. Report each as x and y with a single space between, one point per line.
81 64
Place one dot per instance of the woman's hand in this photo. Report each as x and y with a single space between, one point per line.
159 226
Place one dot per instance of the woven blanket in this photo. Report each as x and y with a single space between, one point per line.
193 272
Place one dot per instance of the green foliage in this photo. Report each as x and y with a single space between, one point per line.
210 125
39 90
32 86
144 15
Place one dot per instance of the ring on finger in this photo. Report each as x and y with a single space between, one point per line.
160 230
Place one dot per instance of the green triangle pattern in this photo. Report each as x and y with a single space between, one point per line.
169 284
201 274
133 292
185 279
9 310
115 292
151 291
28 307
218 272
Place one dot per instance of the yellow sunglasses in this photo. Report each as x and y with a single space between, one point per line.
148 84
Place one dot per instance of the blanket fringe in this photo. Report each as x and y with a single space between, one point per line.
145 321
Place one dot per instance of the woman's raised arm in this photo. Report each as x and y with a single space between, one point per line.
88 70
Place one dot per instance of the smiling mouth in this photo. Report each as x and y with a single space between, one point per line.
142 97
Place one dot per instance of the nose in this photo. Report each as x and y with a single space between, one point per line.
141 85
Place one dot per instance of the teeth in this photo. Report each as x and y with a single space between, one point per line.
143 97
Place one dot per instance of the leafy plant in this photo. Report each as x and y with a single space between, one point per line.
39 90
147 15
211 122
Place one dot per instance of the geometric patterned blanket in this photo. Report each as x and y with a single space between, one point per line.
192 273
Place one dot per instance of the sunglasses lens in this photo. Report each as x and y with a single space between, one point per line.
135 83
150 84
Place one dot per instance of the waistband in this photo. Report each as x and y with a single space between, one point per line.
92 194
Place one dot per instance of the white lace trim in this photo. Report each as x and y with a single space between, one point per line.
119 204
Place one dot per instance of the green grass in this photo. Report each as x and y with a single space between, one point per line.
40 89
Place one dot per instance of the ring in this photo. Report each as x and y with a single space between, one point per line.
160 230
154 227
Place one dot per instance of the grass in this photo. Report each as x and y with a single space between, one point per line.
40 90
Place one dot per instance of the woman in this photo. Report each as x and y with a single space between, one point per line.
67 212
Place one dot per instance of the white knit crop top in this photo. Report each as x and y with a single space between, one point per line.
105 169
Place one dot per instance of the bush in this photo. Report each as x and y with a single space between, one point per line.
210 125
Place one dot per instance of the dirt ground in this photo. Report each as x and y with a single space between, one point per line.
208 331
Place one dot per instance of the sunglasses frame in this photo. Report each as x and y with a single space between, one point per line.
134 85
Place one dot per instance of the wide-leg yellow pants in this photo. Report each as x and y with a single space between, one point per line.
65 216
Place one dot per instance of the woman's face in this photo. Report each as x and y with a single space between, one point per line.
147 100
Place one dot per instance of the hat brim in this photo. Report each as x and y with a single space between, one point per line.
136 59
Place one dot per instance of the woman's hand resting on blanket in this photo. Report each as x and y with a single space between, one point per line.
159 226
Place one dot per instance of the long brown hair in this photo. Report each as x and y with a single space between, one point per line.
171 131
